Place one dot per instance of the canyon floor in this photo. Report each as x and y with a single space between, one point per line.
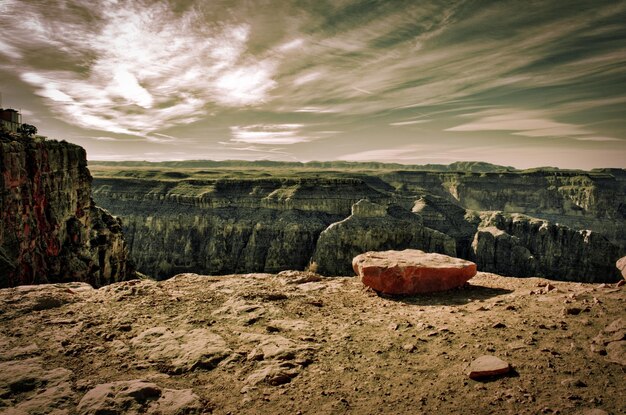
295 343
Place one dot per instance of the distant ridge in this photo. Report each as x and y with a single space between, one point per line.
462 166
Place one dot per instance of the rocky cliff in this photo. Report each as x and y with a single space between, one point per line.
516 244
218 222
50 228
593 200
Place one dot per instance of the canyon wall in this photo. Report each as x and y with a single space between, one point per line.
593 200
50 228
186 222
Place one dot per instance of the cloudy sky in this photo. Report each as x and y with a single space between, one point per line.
521 83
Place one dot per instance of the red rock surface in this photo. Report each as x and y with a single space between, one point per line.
411 271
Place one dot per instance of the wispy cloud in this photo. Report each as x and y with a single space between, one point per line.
409 122
527 123
140 67
269 134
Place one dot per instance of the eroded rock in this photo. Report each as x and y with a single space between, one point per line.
621 265
34 387
181 351
138 396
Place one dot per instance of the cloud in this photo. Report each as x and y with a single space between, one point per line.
269 134
525 123
138 68
409 122
270 77
597 138
402 154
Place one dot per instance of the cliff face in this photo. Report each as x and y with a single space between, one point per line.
51 230
581 200
268 224
515 244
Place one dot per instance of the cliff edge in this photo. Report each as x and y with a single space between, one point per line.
50 228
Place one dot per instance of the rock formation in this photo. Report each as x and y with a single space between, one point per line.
373 227
411 271
50 228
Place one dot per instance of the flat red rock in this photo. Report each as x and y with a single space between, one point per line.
412 271
487 366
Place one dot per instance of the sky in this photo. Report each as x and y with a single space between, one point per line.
519 83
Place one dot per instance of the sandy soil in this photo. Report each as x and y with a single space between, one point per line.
295 343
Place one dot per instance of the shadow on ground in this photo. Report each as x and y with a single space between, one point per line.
460 296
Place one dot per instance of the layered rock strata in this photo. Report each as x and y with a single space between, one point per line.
51 230
515 244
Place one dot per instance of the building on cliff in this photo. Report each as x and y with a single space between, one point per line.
10 119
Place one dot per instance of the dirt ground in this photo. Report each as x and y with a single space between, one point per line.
295 343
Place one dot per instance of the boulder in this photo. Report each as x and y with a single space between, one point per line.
411 271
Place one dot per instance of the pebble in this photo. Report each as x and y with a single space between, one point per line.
572 311
488 366
409 347
573 382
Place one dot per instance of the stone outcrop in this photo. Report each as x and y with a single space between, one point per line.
50 228
411 271
373 227
138 396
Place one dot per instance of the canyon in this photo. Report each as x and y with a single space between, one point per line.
237 218
82 332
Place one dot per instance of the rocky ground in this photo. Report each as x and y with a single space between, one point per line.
294 343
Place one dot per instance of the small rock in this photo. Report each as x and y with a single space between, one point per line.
572 311
409 347
499 325
487 366
573 382
616 352
274 374
181 351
